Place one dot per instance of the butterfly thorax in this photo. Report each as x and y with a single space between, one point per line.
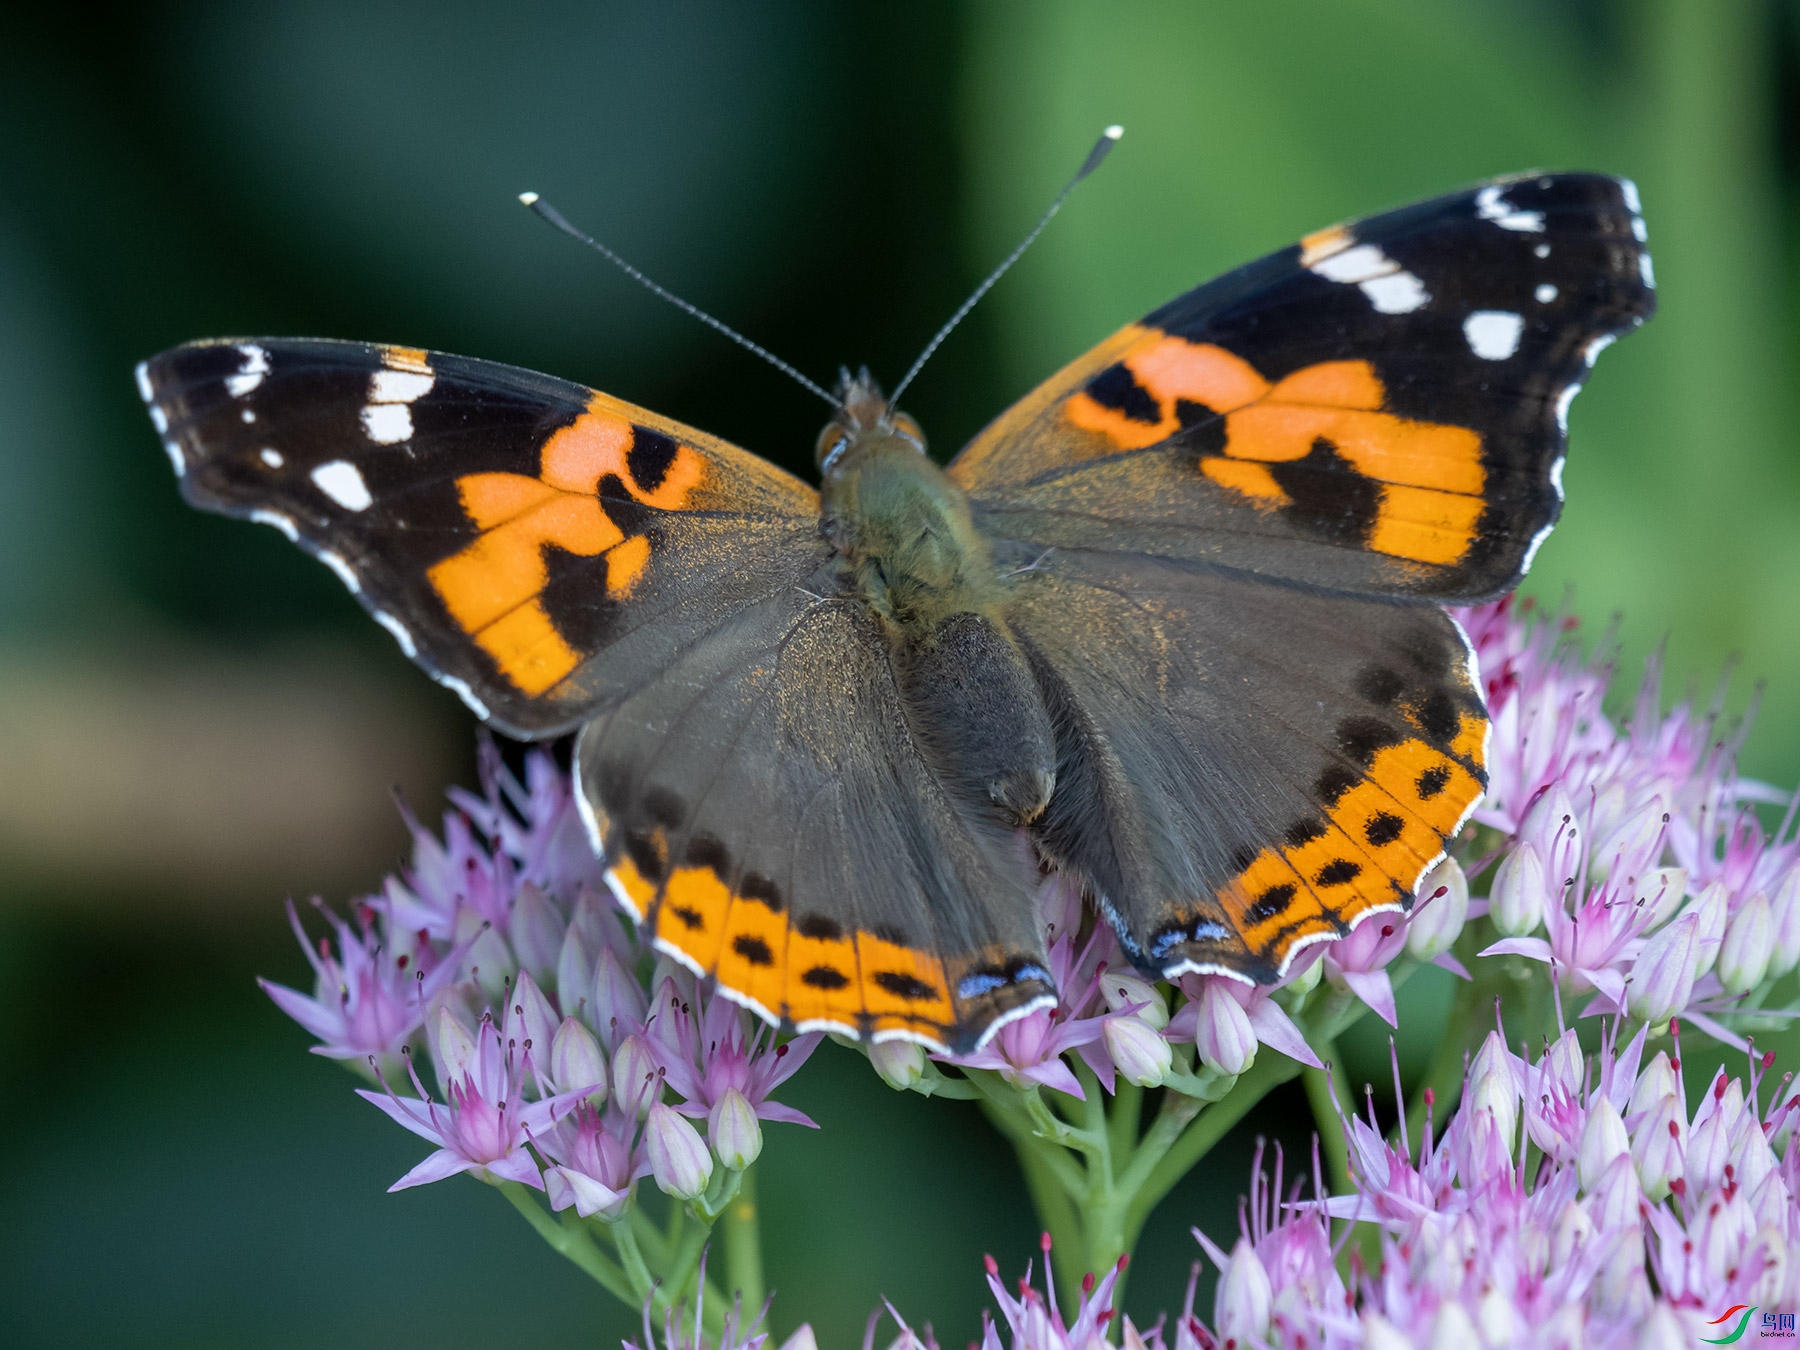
902 531
907 548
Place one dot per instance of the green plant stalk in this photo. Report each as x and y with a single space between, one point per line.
740 1232
571 1241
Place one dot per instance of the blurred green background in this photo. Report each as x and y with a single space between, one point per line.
196 721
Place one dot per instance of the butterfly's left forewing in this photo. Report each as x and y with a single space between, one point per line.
538 546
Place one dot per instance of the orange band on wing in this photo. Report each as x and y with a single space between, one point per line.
491 586
1431 474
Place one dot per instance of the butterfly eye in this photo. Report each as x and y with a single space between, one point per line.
910 429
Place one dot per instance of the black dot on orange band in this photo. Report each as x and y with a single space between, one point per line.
691 917
1363 737
645 853
821 928
755 886
825 977
753 949
1304 831
705 851
1334 781
1270 903
905 986
1338 872
1438 716
1383 829
1433 781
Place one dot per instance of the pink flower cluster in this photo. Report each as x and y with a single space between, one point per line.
1635 867
1571 1202
566 1057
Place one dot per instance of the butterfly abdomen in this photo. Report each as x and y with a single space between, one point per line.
973 706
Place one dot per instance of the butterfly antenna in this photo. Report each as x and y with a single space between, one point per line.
1096 157
551 215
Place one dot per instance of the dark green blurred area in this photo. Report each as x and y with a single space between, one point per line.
195 720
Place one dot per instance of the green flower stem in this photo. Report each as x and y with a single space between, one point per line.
1321 1085
741 1233
1126 1118
570 1240
1196 1140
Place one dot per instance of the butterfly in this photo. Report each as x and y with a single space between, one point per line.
1172 625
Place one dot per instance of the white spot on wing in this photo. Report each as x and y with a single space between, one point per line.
387 423
247 415
250 374
1542 251
467 695
273 458
1556 468
1639 230
1391 289
1628 190
1563 400
1401 293
143 380
173 451
1491 204
337 564
1591 353
159 419
1355 265
342 481
399 386
1493 334
398 629
279 521
1531 549
1544 294
1646 271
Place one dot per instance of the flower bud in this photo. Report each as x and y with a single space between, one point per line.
1303 981
1380 1334
531 1020
802 1339
1565 1063
1121 989
537 932
1570 1234
1617 1197
1662 978
490 963
574 968
1138 1050
635 1081
1654 1083
1222 1034
734 1130
1492 1087
1452 1329
679 1158
452 1049
1497 1316
617 1006
1662 1330
1657 1148
1603 1139
1744 953
1443 909
900 1063
1784 913
1634 843
1711 908
1242 1304
576 1061
1551 830
1661 890
1516 898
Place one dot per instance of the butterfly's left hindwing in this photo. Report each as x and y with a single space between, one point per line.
540 547
1381 408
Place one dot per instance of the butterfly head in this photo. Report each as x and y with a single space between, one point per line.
863 419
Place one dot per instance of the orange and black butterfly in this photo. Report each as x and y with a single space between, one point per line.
1172 624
